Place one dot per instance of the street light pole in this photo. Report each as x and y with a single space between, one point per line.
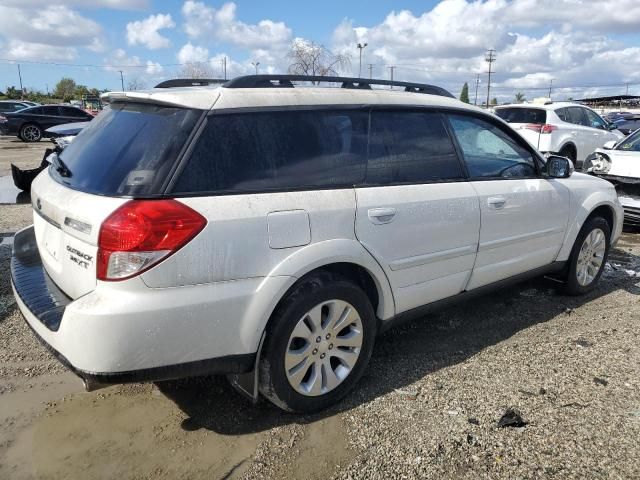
475 102
361 46
121 80
255 64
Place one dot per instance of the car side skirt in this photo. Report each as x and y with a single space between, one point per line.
421 311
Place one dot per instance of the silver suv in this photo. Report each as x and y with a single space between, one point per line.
268 231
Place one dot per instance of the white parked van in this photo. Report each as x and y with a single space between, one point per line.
270 230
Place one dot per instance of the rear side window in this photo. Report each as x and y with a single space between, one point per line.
51 111
410 147
128 149
265 151
522 115
562 114
73 112
489 151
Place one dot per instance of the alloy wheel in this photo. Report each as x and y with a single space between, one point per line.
590 257
323 348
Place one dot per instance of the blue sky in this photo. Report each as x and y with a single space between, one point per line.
585 46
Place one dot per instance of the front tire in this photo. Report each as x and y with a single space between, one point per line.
318 344
588 256
30 133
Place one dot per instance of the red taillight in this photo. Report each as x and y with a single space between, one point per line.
141 233
541 128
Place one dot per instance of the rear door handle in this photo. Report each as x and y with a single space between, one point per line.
379 216
497 202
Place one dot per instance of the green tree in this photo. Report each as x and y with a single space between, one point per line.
520 97
13 93
80 90
65 89
494 101
464 95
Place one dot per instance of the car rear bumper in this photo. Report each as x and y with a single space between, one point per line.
120 334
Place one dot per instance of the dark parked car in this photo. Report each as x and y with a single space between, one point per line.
30 123
12 105
629 125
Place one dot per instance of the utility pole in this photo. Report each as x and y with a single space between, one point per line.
475 102
47 85
370 71
550 87
489 57
21 89
391 69
627 89
224 67
255 64
361 46
121 80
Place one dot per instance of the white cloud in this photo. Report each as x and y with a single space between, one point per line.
192 54
57 29
119 60
17 50
569 41
222 24
145 32
153 68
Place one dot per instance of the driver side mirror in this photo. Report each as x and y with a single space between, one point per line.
559 167
609 145
612 126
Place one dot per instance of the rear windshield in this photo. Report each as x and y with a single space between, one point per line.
522 115
127 150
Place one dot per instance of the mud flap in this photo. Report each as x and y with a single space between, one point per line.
247 383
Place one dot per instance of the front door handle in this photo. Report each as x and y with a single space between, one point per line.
379 216
497 202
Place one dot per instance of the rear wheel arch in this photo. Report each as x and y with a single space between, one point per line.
570 147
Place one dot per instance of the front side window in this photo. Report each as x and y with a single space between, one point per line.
631 143
265 151
411 147
489 151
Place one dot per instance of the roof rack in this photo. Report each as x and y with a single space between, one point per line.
286 81
190 82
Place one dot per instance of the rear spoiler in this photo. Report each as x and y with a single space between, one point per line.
200 99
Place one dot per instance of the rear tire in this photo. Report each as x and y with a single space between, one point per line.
569 152
30 132
588 256
318 344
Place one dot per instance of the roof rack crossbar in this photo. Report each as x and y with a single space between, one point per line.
279 81
190 82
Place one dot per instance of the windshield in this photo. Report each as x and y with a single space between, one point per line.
127 150
631 143
522 115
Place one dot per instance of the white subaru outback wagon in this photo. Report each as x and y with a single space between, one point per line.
269 230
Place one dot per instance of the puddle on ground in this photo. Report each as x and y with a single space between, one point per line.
10 194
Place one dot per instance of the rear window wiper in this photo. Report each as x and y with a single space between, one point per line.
60 166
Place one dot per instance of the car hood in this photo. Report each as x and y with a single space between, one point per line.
68 128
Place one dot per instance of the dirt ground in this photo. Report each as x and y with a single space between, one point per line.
428 406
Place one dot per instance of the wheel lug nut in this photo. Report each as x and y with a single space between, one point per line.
318 340
330 346
322 356
315 350
328 336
